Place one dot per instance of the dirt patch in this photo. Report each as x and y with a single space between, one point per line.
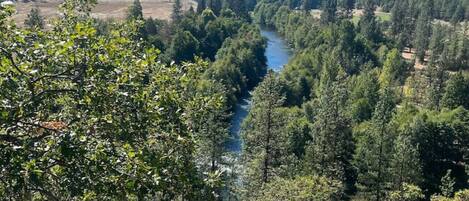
316 13
357 13
410 56
160 9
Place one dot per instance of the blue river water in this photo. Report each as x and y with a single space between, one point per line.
277 53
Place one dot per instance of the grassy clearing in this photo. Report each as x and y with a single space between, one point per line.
381 16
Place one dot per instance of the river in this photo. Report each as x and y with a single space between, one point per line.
277 53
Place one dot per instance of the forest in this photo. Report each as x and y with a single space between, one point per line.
372 105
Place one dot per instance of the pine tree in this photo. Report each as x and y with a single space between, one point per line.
240 7
311 188
397 24
184 47
456 92
264 141
402 22
437 41
436 75
330 153
177 11
329 9
374 149
423 29
34 20
135 11
405 164
368 24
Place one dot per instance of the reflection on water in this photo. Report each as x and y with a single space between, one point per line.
277 52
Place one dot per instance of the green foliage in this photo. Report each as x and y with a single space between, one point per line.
34 20
240 62
454 55
152 31
329 9
135 11
264 150
215 5
409 192
405 164
91 111
459 196
201 6
434 91
437 135
374 149
329 154
184 47
177 11
336 41
394 70
364 96
209 30
300 189
456 92
87 116
447 184
423 29
299 131
402 16
368 25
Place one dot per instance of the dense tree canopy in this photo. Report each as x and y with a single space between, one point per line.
367 128
372 105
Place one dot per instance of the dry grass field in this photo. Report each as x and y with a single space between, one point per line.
117 9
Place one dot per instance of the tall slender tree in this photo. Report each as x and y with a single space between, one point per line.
436 79
34 19
368 24
405 164
135 11
177 11
264 141
329 9
402 22
423 29
330 153
374 149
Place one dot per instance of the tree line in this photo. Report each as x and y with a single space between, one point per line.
348 108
